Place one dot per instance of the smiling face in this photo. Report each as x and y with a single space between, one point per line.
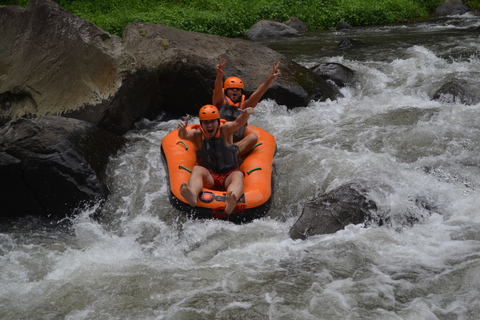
210 127
235 94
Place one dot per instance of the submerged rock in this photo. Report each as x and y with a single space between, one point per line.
454 91
332 212
336 72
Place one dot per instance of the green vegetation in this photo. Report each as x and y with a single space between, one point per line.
232 18
474 4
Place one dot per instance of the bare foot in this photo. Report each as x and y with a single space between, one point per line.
231 202
188 194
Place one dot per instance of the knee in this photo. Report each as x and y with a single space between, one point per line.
253 137
237 175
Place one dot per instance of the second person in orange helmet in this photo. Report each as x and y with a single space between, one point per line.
230 99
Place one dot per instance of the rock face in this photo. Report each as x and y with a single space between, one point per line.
54 63
184 64
332 212
52 165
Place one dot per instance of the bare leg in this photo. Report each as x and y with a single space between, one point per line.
188 194
235 187
246 144
199 178
231 202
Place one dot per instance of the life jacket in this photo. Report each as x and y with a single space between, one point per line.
229 111
215 155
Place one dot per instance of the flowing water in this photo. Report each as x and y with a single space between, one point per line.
418 157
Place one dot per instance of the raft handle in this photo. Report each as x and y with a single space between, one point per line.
258 144
182 167
254 169
186 147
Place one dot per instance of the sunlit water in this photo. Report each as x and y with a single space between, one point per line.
418 158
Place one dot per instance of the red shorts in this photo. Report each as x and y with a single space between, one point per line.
219 180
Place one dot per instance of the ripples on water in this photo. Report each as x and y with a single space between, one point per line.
420 159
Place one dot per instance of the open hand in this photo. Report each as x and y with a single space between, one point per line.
248 111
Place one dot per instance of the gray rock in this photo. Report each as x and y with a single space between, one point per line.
266 30
336 72
454 91
296 24
342 25
332 212
52 165
451 7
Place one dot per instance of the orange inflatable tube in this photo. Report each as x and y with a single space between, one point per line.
179 159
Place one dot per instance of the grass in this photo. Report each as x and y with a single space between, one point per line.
233 18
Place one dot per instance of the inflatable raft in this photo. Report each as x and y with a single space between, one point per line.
179 159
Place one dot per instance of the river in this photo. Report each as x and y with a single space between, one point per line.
418 157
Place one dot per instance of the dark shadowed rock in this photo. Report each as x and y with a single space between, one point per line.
342 25
451 7
332 212
184 63
266 29
55 63
454 91
296 24
341 75
52 165
349 44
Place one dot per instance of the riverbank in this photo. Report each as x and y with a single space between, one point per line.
232 18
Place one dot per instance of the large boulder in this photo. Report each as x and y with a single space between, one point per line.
50 166
451 7
55 63
332 212
185 61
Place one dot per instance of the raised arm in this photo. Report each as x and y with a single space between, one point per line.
257 95
217 99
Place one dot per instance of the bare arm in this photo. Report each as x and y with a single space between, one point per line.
240 121
257 95
217 99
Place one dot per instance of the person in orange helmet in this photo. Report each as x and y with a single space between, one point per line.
230 100
217 156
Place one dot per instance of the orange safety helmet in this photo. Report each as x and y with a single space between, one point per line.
233 82
208 112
